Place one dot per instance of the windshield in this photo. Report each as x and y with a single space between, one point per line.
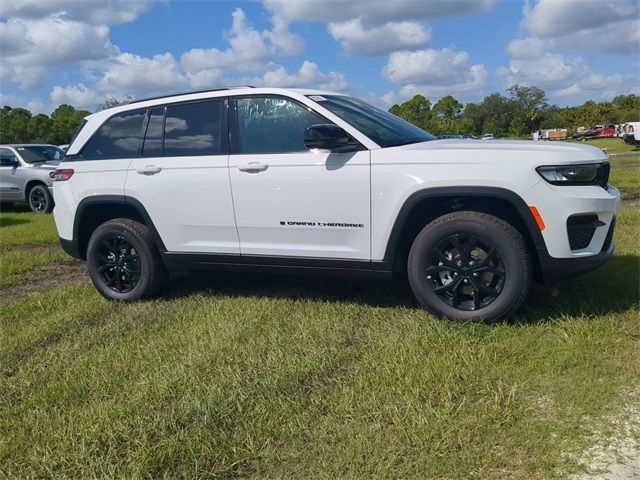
382 127
40 153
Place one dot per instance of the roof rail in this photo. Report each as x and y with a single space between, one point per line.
217 89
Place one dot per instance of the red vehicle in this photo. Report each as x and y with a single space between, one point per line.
599 131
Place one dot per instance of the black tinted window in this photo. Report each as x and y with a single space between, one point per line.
273 125
193 129
118 137
153 139
382 127
6 154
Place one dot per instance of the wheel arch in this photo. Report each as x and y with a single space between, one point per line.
95 210
32 182
426 205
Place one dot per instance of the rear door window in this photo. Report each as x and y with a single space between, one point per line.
192 129
118 137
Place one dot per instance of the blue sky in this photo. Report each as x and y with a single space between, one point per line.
79 52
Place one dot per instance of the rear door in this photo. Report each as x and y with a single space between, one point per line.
182 177
290 201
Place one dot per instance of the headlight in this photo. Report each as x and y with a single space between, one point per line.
585 174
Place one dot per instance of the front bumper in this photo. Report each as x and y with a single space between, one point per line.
556 269
556 205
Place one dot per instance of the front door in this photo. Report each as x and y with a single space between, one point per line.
11 181
290 201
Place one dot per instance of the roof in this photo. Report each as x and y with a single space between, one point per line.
216 89
17 145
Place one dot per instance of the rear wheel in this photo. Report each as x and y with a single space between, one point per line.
123 262
469 266
40 200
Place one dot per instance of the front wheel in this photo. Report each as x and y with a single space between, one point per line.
469 266
123 262
40 200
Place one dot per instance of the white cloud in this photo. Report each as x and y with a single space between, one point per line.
78 96
433 73
586 25
100 12
379 40
564 77
373 12
309 75
31 47
428 66
528 48
129 74
573 25
545 69
249 50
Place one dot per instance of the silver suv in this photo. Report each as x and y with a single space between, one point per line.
24 174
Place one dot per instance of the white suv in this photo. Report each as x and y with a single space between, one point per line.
259 178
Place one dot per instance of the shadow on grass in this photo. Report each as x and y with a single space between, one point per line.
7 222
611 289
14 208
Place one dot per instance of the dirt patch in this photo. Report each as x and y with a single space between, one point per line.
615 456
34 247
630 196
47 277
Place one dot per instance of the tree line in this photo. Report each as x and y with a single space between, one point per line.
520 112
19 125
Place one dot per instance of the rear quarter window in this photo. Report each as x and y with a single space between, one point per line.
119 137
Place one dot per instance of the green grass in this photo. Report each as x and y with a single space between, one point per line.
625 173
235 376
19 226
610 145
27 241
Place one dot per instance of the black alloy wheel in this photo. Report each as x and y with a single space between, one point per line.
466 272
40 200
470 266
123 261
118 264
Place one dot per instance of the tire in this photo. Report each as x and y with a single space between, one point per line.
39 199
469 266
123 262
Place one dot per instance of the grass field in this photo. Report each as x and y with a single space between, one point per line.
611 145
235 376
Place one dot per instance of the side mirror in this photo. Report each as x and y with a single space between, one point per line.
9 162
329 137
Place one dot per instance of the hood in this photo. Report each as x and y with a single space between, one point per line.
560 151
51 165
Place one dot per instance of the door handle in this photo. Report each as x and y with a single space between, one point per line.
253 167
149 170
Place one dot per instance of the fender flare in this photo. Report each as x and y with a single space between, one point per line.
117 200
487 192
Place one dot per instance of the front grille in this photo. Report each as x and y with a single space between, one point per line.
609 238
580 229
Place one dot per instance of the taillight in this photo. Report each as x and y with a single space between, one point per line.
61 175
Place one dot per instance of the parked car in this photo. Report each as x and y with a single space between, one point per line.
631 134
63 147
487 136
599 131
313 181
24 174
